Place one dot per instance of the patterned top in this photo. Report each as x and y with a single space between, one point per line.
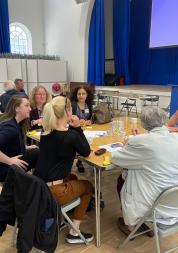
83 114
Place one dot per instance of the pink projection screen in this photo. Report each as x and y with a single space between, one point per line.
164 23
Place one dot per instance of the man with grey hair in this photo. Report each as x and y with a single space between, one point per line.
9 88
152 166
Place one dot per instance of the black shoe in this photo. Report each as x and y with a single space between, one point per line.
80 167
149 233
76 238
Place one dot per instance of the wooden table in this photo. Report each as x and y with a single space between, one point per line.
97 161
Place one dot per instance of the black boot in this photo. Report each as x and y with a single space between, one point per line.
80 167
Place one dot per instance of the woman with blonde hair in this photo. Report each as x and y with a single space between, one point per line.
61 140
38 98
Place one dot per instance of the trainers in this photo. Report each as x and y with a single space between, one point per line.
76 238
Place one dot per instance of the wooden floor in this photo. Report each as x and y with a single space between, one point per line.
142 87
111 237
146 87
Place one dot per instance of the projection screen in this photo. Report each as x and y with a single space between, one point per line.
164 23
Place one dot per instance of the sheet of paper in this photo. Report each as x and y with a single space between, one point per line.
113 146
94 134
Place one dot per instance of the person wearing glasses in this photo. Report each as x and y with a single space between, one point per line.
152 166
61 140
82 99
38 98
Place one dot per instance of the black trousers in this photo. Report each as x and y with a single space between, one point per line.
30 156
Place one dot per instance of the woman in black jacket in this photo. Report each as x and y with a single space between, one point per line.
58 147
13 128
82 100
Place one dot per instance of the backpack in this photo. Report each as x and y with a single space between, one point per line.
101 113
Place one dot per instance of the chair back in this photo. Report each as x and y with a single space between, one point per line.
130 101
152 98
100 96
168 198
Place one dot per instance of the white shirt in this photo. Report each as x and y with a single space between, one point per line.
152 163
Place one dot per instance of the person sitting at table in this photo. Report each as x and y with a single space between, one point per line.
152 166
9 91
58 147
38 98
13 127
19 85
82 99
56 90
173 121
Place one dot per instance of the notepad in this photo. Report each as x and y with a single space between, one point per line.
94 134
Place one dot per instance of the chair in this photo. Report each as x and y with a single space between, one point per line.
64 220
67 221
104 98
129 106
152 100
168 198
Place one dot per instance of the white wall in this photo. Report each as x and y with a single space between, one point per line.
30 13
66 34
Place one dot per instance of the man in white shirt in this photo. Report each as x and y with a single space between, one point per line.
152 163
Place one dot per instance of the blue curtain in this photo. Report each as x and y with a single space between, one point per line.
149 66
4 27
96 48
121 43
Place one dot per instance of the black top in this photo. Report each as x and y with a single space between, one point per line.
57 153
34 115
4 98
11 138
11 142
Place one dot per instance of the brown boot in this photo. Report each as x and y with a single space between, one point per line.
122 227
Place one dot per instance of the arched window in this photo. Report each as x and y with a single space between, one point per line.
20 39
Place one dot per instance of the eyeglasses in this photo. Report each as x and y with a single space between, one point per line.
41 94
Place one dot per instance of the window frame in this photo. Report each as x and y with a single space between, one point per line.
28 36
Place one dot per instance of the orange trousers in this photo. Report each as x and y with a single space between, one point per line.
69 190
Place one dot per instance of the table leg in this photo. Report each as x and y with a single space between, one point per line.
97 174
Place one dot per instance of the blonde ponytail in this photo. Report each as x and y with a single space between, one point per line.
52 111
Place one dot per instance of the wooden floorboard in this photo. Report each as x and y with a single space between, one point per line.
111 237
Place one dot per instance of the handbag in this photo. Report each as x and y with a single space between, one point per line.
101 113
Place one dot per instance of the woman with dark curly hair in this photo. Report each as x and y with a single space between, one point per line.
81 99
